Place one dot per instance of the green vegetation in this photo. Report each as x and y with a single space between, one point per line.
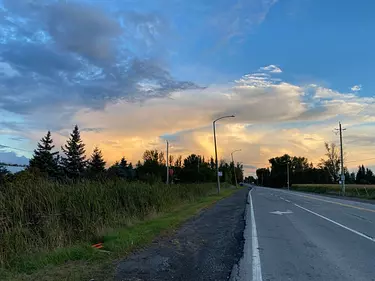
51 213
301 171
124 216
352 190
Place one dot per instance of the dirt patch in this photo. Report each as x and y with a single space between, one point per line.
204 248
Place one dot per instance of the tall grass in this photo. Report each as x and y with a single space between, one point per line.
38 215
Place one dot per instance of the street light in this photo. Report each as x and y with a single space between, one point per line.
217 164
234 167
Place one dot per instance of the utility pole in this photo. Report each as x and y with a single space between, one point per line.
342 161
167 162
287 173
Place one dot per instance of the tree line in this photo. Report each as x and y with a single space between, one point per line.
71 164
301 171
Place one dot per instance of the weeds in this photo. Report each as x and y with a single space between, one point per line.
39 216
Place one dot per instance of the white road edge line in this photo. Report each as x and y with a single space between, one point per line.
336 223
257 268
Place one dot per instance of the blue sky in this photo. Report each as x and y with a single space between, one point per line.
288 69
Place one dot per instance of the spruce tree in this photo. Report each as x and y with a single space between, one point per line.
96 163
74 162
44 159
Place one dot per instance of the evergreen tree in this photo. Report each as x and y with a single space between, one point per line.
74 161
361 174
44 159
96 163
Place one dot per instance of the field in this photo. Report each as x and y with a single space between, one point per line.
44 224
353 190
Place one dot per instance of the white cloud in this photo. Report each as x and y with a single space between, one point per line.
271 68
272 117
7 70
356 88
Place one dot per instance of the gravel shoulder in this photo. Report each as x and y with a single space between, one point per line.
204 248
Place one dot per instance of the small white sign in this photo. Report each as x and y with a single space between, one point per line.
220 174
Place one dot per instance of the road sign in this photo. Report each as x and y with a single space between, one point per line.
220 174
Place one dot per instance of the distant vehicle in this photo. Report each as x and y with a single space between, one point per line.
241 183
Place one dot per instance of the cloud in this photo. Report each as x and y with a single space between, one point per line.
273 117
71 55
241 17
356 88
271 68
12 158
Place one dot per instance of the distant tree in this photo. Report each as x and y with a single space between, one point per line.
74 162
369 177
361 175
332 163
170 160
44 159
178 162
212 163
250 179
263 175
96 164
124 170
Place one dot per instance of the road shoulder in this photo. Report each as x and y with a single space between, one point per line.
204 248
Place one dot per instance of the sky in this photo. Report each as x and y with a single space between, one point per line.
135 73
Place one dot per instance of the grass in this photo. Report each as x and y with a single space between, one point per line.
351 190
132 216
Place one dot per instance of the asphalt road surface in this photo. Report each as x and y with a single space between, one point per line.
299 236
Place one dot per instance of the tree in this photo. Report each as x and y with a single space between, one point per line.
74 162
96 165
361 175
124 170
332 164
369 176
250 179
44 159
263 175
178 163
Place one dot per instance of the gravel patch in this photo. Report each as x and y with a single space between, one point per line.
204 248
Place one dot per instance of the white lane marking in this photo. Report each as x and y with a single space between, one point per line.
336 223
281 213
257 268
287 200
329 201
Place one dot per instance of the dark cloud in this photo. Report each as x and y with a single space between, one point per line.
69 55
95 130
82 29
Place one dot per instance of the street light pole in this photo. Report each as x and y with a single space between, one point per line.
287 172
167 162
217 163
234 167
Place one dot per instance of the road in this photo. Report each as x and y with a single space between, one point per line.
299 236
